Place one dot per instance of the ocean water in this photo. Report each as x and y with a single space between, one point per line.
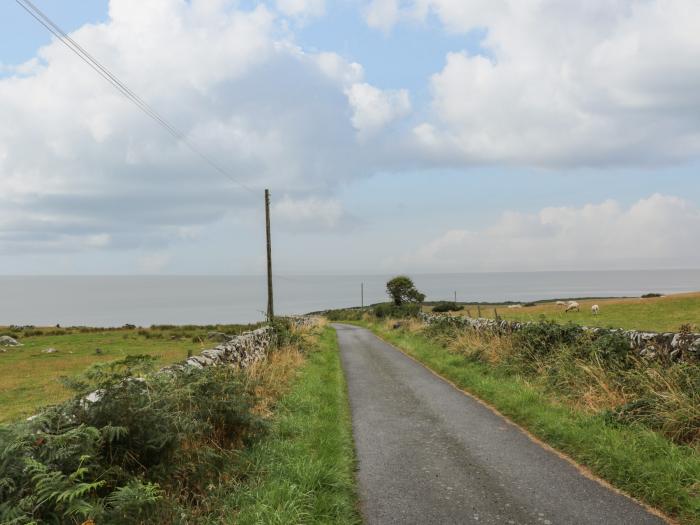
146 300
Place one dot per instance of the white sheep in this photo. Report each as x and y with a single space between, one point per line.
560 303
573 305
595 309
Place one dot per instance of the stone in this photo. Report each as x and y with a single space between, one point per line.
219 336
6 340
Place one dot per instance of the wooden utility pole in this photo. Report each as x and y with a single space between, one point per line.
362 295
270 307
455 296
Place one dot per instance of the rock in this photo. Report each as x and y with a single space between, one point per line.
219 337
49 351
6 340
98 351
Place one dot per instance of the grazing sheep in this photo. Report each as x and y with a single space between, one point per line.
573 305
595 309
515 306
560 303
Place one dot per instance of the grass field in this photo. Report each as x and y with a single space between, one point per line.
659 314
30 378
641 462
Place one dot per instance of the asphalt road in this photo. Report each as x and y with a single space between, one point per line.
430 454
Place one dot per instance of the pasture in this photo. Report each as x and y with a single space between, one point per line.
658 314
30 378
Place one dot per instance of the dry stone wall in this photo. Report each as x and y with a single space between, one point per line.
647 344
240 350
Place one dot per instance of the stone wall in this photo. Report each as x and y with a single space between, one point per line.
647 344
240 350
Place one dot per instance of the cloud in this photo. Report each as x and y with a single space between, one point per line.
382 14
373 108
302 8
658 231
561 84
311 214
77 161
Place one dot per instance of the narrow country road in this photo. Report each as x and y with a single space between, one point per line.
429 454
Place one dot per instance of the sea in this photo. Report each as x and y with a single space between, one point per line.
146 300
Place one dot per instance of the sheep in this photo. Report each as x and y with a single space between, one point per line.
560 303
573 305
595 309
515 306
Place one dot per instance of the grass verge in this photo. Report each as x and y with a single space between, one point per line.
638 461
302 472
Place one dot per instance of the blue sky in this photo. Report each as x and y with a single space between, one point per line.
393 137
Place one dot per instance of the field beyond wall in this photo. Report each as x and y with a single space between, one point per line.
657 314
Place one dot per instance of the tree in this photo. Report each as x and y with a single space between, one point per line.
402 290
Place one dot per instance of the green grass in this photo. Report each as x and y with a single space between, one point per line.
303 471
662 314
30 379
640 462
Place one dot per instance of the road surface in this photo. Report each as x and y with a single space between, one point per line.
429 454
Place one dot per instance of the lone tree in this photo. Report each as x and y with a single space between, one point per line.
402 290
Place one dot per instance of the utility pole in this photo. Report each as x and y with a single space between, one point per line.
455 296
270 307
362 295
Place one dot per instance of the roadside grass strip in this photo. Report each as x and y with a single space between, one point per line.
640 462
303 471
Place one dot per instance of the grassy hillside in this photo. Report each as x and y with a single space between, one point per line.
659 314
30 378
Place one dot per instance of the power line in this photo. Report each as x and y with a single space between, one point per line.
105 73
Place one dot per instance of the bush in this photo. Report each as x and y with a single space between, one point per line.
346 314
388 310
133 451
447 306
543 337
650 295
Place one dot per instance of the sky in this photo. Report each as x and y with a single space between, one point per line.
421 136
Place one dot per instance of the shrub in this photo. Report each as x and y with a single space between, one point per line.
131 451
650 295
346 314
610 347
543 337
447 306
386 310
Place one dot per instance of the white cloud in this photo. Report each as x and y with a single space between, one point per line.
302 8
659 231
382 14
77 161
564 83
374 108
310 214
